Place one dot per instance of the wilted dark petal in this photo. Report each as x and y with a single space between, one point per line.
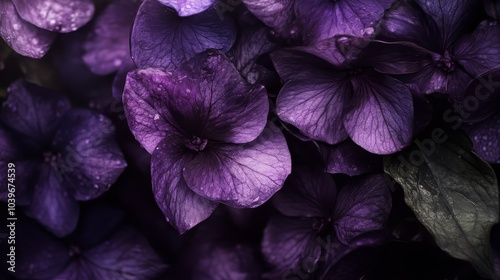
188 7
52 204
162 39
307 193
363 205
241 175
39 255
90 157
144 99
495 242
322 19
226 262
182 208
348 158
107 45
212 100
56 15
480 51
485 136
313 100
124 253
450 17
405 21
290 244
23 37
277 14
33 111
381 118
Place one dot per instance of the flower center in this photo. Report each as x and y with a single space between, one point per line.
321 223
74 251
446 62
197 144
51 158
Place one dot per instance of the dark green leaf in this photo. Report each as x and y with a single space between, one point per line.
452 192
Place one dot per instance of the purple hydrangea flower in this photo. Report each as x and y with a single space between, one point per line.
163 39
101 248
311 209
334 90
28 26
439 29
186 8
206 130
62 155
316 20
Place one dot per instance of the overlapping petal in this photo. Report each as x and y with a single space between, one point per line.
188 7
162 39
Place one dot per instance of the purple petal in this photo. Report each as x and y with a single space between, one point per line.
162 39
363 205
244 175
108 46
23 37
90 157
52 204
450 17
215 94
288 243
277 14
307 193
381 118
485 91
348 158
322 19
479 51
188 7
56 15
313 100
405 21
145 92
485 136
33 111
182 207
39 255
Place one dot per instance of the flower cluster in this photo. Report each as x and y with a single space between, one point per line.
250 139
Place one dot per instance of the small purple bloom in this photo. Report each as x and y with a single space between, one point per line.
66 155
28 25
316 218
206 130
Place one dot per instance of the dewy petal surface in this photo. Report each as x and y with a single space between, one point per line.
242 175
312 100
381 117
211 96
162 39
90 157
182 207
188 7
485 136
363 205
23 37
307 193
144 95
56 15
52 204
33 111
107 45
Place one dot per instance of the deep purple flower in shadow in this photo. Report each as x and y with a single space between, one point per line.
315 218
485 136
62 155
102 247
206 130
315 20
334 90
29 26
163 39
440 29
